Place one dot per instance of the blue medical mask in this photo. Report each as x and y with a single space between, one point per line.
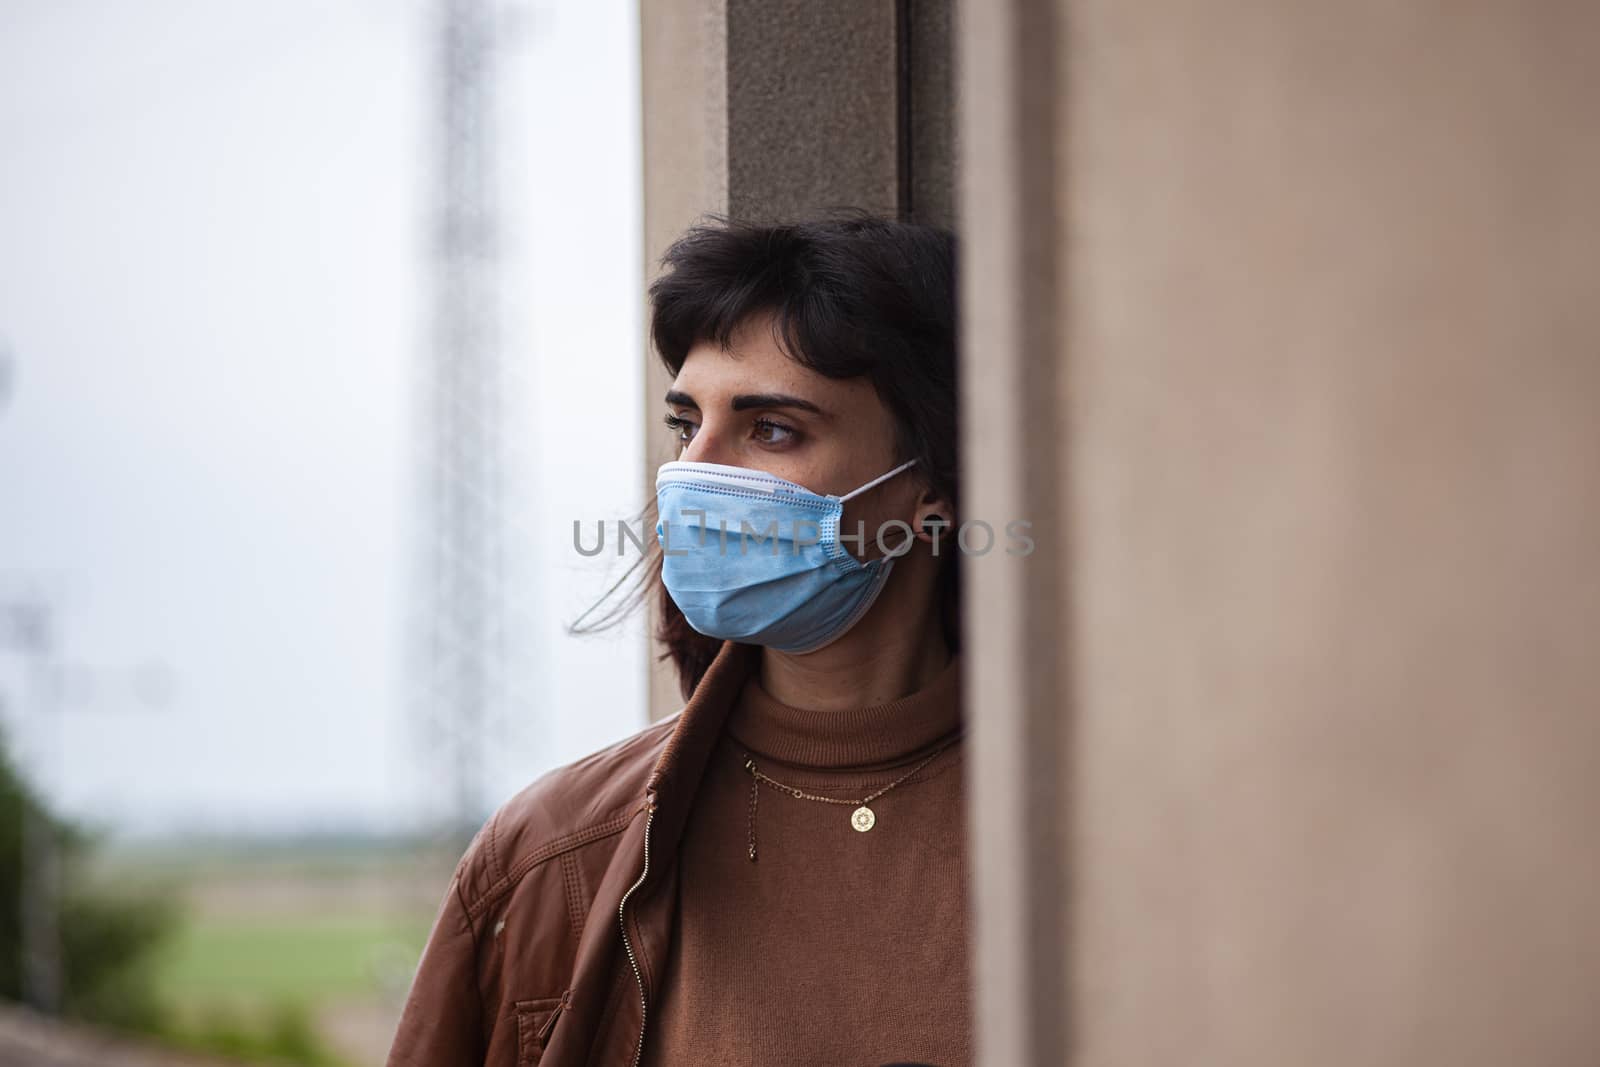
751 557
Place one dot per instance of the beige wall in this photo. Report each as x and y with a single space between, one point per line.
1288 739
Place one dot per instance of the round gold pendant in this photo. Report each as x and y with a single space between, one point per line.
862 818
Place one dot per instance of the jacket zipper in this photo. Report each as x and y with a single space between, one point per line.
638 976
549 1024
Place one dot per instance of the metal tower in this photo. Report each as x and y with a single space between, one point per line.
461 655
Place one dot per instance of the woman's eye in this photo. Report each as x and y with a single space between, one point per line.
773 433
682 428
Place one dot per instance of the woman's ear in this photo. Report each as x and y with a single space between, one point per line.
933 519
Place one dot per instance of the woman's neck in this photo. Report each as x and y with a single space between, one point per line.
883 657
830 680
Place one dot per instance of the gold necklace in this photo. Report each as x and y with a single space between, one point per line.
861 819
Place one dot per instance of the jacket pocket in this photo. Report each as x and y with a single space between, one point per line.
535 1019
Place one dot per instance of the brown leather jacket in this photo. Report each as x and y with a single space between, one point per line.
549 944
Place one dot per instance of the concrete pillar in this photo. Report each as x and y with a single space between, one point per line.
778 109
1282 318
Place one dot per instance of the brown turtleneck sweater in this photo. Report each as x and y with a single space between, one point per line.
835 947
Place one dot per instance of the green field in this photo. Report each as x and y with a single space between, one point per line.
284 945
308 958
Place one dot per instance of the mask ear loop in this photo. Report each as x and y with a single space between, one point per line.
876 481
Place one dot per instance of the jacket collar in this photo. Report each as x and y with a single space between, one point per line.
672 783
646 852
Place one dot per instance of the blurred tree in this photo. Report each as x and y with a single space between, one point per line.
107 938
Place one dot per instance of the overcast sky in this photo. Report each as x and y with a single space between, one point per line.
213 286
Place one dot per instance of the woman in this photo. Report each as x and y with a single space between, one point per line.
776 873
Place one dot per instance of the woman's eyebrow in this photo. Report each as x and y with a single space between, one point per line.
774 400
745 401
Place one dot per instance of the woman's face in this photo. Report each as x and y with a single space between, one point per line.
753 406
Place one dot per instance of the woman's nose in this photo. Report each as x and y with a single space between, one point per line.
706 447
